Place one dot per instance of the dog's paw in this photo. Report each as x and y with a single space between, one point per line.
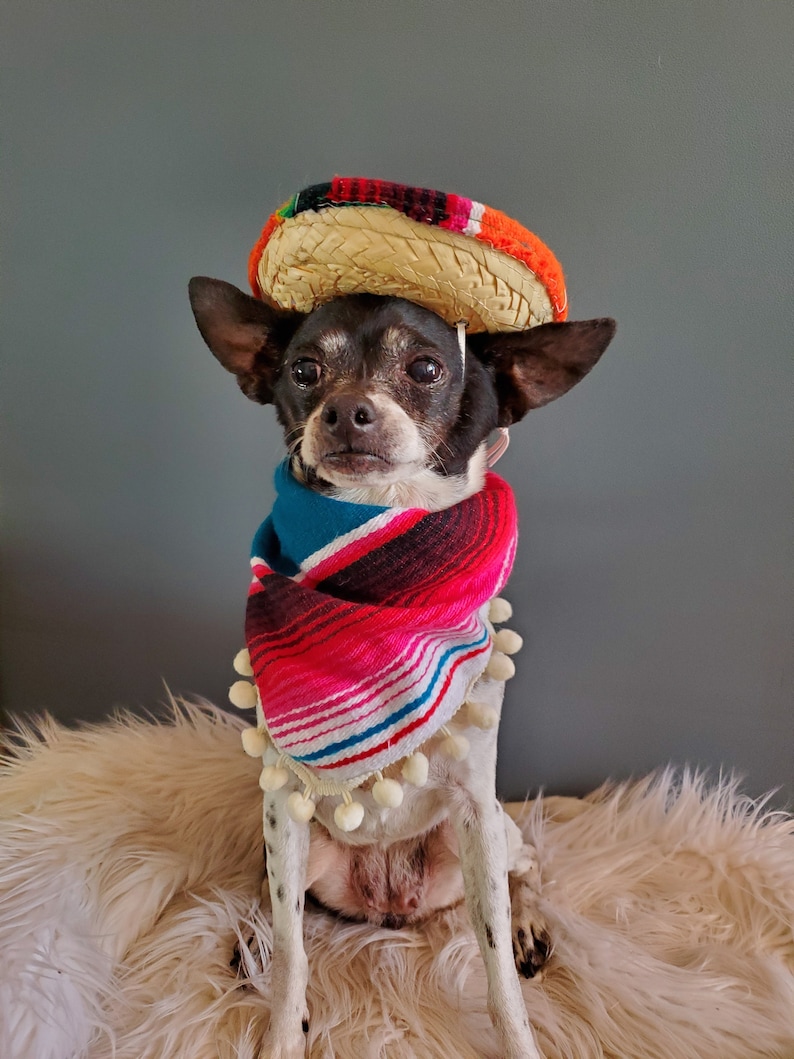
532 943
273 1050
531 948
524 864
279 1044
292 1050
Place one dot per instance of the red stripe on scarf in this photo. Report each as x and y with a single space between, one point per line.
416 723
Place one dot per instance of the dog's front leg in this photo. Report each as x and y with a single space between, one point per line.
478 820
287 851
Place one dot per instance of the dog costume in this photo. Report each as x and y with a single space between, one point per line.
367 627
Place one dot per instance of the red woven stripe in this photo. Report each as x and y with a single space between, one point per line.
362 546
416 723
493 507
420 204
300 629
426 662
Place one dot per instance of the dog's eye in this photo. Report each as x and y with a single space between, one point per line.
306 372
425 369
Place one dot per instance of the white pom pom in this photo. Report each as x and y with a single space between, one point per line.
300 808
255 741
481 715
415 769
242 694
242 663
500 610
388 793
273 778
456 746
500 667
508 642
348 815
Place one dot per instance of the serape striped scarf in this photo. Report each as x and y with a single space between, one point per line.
365 625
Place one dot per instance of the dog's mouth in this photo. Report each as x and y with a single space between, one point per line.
356 462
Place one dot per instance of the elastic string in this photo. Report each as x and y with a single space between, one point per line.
499 448
461 326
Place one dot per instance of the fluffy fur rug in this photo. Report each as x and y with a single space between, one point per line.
130 863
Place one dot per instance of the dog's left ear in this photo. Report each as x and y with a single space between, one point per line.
245 334
533 367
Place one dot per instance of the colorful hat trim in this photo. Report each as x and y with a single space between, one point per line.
456 256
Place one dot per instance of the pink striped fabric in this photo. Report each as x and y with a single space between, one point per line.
363 647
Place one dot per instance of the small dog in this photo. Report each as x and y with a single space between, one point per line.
379 406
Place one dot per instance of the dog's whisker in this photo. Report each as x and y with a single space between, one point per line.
294 436
445 445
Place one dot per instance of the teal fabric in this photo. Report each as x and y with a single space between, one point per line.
303 521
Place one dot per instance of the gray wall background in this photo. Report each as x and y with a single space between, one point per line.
648 144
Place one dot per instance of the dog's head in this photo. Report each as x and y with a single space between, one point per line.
376 400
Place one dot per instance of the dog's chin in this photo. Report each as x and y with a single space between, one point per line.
371 478
347 470
360 468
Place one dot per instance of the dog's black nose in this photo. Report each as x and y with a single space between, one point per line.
349 415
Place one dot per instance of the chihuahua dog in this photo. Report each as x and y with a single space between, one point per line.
379 406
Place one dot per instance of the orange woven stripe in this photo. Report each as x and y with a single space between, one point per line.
503 233
256 254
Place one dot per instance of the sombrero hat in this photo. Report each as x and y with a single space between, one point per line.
459 258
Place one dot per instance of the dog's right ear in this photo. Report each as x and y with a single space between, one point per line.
538 365
246 335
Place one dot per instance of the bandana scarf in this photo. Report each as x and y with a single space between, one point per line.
366 626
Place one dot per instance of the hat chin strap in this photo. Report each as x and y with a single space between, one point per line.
461 329
495 451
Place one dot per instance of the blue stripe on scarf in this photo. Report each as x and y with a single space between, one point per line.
394 717
303 521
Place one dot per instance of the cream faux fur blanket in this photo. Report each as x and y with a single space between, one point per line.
131 860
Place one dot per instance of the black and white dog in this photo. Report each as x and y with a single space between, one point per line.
378 406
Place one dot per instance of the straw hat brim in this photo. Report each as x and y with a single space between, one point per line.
307 259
